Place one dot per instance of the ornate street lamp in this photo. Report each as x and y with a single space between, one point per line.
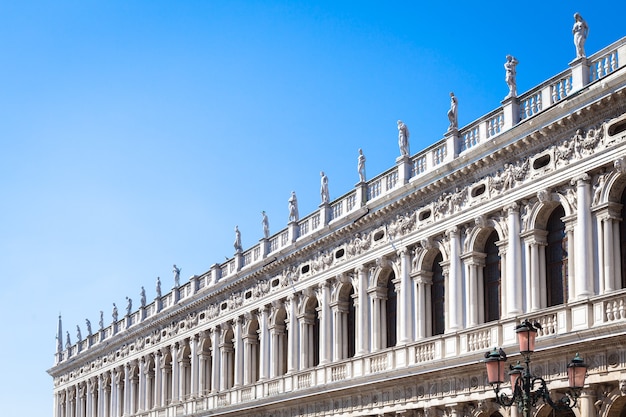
528 389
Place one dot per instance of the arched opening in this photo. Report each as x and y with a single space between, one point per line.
312 333
280 337
185 370
228 360
251 352
556 258
205 366
345 323
437 314
167 377
491 279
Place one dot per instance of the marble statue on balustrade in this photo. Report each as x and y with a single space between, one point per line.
237 243
129 306
324 194
101 322
114 314
142 296
293 207
88 324
68 342
403 138
453 113
79 337
580 31
176 272
266 225
361 166
510 75
158 287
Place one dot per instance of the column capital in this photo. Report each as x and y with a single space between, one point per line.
580 180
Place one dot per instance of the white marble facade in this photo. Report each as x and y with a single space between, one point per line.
382 303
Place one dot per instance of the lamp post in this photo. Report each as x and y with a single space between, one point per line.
528 389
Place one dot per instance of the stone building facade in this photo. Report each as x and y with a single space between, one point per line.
384 301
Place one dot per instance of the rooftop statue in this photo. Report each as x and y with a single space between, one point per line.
176 272
101 322
158 287
293 207
452 113
88 324
580 31
403 138
142 294
510 74
266 225
129 306
361 166
114 314
68 343
237 243
79 337
324 194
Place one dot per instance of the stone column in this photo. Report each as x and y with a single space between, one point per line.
584 237
304 348
376 322
455 300
292 323
127 392
535 273
362 311
570 231
215 358
148 392
120 377
134 388
513 297
176 349
323 293
194 365
158 380
238 353
264 343
424 281
471 287
142 385
405 307
586 403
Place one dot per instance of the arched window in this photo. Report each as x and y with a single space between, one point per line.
279 344
346 318
312 327
491 279
622 234
205 363
556 259
438 297
228 359
251 352
391 308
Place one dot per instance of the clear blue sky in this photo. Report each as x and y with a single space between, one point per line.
137 134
